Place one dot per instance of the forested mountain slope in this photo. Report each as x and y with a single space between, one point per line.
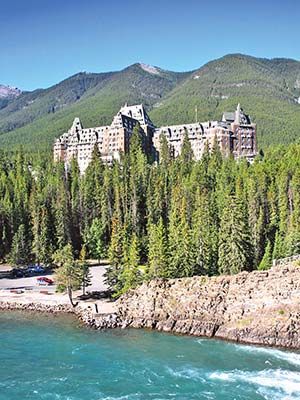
269 90
95 98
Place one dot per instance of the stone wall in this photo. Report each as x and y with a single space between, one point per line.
261 307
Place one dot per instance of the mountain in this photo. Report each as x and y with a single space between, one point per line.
7 94
269 90
30 106
36 118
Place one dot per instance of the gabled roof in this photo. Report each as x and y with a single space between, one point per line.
76 126
138 113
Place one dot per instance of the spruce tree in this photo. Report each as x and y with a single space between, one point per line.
115 255
235 248
182 255
165 154
186 155
158 251
46 245
96 240
20 248
205 234
266 261
131 275
137 181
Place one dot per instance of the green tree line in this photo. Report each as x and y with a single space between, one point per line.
174 219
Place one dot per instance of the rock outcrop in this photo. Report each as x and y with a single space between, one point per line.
261 307
9 92
99 321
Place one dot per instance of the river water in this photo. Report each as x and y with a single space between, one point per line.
48 357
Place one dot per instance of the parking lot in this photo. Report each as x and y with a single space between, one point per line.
30 283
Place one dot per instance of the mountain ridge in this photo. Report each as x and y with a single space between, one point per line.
268 89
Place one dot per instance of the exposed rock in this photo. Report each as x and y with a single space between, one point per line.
9 92
36 307
261 307
150 69
99 321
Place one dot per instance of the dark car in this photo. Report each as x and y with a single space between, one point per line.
34 269
18 273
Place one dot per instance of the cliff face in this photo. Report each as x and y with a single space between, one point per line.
261 307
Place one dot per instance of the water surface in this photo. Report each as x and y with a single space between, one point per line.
47 357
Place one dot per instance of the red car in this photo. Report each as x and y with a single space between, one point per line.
44 281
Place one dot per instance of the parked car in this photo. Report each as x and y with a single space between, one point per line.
39 269
34 269
44 281
18 273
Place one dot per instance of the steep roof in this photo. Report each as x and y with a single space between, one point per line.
138 113
76 126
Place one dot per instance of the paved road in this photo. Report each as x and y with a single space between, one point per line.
30 283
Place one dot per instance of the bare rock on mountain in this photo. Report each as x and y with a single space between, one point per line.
9 92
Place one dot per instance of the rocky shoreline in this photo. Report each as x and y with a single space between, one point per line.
261 307
36 307
96 321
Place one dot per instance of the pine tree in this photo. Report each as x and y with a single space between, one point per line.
235 248
186 155
20 249
46 245
293 232
96 240
131 275
137 181
69 273
115 254
165 154
205 234
182 256
62 216
266 261
76 223
84 270
158 251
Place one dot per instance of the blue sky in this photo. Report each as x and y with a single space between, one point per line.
43 42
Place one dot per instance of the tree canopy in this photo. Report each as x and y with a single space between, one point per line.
174 219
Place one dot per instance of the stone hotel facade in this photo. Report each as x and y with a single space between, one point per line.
235 134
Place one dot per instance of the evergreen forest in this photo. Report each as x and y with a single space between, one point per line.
178 218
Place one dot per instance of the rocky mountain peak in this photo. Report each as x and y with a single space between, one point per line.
9 91
150 69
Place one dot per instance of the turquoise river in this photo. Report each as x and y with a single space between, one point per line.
47 357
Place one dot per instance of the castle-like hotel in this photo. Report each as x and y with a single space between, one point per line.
234 134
